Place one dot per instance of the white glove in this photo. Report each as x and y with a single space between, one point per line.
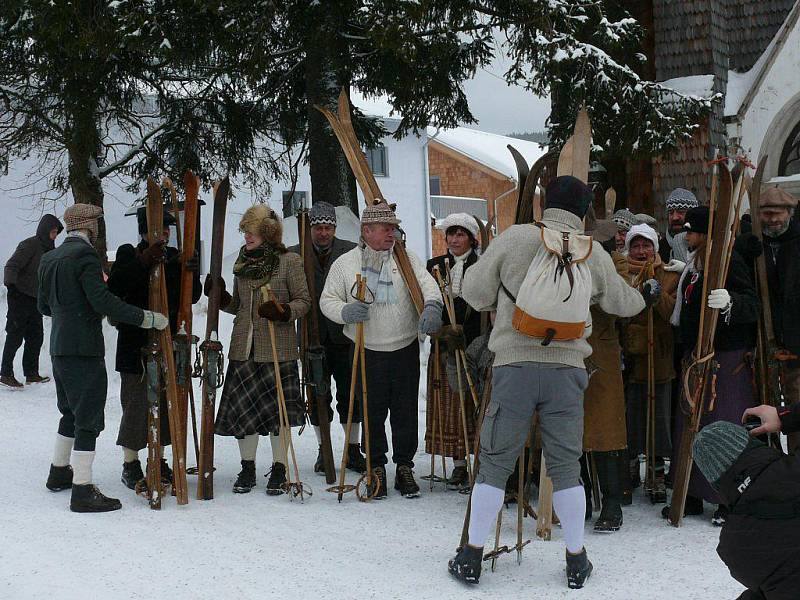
154 320
675 266
720 299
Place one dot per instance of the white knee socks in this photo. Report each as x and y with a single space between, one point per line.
248 447
570 506
62 450
278 448
486 502
82 467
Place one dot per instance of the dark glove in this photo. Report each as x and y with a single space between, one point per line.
273 311
651 290
193 263
208 285
152 255
452 336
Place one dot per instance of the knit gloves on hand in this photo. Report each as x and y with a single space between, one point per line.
154 320
675 266
152 255
651 290
720 299
272 311
355 312
430 321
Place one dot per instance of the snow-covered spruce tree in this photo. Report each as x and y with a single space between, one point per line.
94 88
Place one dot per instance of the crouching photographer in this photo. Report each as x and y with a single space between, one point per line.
758 542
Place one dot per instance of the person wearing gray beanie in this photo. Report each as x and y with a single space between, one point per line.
717 446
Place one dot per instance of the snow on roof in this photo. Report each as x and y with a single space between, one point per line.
696 86
489 149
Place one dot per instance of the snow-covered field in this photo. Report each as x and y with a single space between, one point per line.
255 546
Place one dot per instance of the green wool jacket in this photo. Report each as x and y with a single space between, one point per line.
73 292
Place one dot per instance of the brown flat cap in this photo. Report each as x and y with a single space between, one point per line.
81 216
775 197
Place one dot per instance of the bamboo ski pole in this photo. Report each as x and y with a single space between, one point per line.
651 408
342 489
497 527
296 487
370 477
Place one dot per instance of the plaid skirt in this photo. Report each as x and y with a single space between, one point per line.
249 402
135 408
450 436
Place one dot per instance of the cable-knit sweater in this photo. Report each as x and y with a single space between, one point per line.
507 260
390 326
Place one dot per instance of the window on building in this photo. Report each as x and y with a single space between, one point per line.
293 202
435 183
376 158
790 157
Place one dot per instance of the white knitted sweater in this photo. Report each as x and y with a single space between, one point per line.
507 260
390 326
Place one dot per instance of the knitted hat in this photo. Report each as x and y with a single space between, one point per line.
82 216
141 217
717 446
322 213
697 220
568 193
681 199
462 220
641 230
646 219
261 220
624 219
379 213
775 197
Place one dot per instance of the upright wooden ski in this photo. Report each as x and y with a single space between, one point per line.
697 380
529 208
213 367
312 353
343 128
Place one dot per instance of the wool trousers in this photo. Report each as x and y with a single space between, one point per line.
81 386
23 325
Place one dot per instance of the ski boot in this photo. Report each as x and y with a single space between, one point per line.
404 482
380 471
579 567
319 464
36 378
276 484
60 478
466 566
355 460
608 471
246 480
88 499
166 473
132 474
658 495
10 381
720 516
459 478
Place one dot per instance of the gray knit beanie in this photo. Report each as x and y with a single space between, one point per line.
322 213
624 219
681 199
717 446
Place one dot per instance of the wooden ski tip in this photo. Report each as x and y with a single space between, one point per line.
610 202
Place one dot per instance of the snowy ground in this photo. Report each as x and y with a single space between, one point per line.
254 546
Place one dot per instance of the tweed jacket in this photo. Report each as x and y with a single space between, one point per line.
252 331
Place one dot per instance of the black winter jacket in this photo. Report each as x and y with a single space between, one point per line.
21 271
759 540
739 331
465 314
782 257
129 280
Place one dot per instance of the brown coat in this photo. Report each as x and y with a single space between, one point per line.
289 286
604 400
635 338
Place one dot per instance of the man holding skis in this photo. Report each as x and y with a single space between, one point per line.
72 292
533 374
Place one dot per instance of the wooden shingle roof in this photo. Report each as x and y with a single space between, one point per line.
751 26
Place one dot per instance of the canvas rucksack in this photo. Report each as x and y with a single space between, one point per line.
553 301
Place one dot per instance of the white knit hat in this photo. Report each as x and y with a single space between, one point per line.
463 220
641 230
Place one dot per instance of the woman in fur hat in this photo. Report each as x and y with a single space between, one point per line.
461 231
249 404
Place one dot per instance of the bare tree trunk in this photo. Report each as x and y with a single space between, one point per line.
331 177
87 188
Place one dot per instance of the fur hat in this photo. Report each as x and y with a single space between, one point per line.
261 220
641 230
322 213
775 197
681 199
624 219
462 220
379 213
568 193
697 220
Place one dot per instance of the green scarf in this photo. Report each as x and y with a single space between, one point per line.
259 264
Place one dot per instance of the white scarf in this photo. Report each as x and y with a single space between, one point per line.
675 319
376 269
457 273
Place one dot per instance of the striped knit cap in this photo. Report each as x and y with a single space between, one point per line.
624 219
379 213
681 199
322 213
717 446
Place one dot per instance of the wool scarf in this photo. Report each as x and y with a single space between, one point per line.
259 264
457 272
376 269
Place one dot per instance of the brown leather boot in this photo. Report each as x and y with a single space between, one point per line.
10 381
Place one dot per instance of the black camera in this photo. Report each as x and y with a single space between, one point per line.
752 422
